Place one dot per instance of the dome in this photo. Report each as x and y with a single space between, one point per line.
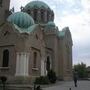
61 33
50 26
37 4
21 19
50 23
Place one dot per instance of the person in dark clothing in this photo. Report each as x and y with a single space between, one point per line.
75 79
38 88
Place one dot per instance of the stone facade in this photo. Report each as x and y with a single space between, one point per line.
4 9
27 45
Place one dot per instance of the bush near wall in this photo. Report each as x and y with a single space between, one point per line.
42 80
52 76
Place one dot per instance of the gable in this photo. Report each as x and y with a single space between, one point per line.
37 33
35 38
7 34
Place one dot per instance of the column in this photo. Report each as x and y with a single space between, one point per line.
42 68
22 64
38 16
32 14
45 16
17 63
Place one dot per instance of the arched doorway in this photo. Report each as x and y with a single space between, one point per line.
48 63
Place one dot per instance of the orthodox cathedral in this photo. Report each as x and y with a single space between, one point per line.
29 39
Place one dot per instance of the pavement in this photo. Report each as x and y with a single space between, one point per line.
69 85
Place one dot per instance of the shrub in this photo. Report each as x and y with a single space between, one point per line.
52 76
42 80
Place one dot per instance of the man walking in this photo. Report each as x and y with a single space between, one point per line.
75 78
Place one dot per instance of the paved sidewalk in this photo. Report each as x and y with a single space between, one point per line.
82 85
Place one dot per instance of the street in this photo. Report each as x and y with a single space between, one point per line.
82 85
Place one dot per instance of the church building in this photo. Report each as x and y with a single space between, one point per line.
29 39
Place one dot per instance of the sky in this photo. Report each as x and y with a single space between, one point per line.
76 15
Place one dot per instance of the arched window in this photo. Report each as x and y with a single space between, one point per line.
42 15
52 17
28 11
48 16
68 56
5 58
35 60
35 14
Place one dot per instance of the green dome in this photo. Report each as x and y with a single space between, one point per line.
36 4
50 23
61 33
21 19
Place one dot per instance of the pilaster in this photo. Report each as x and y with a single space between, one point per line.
22 64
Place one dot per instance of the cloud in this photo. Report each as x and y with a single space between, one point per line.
79 24
18 3
86 3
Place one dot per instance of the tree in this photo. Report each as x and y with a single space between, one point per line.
81 70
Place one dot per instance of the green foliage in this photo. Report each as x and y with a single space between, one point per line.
81 70
42 80
52 76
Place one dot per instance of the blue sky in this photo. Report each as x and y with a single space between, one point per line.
76 15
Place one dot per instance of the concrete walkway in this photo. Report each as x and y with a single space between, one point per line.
82 85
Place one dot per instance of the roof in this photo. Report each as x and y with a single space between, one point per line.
61 33
21 19
27 30
51 23
36 4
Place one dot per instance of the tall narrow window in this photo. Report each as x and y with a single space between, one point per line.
5 58
48 63
0 3
48 16
42 15
35 14
52 17
35 60
68 56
